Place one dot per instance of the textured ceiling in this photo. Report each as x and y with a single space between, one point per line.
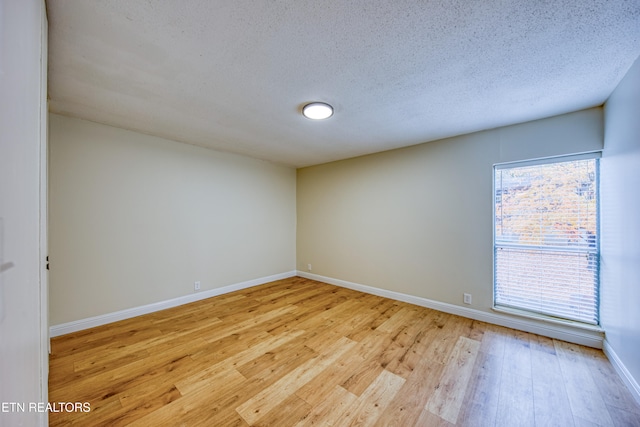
233 75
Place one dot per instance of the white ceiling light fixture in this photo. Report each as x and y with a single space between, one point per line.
317 111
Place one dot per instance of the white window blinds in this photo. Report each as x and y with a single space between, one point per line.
546 238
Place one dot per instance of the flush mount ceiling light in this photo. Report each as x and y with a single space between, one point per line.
317 111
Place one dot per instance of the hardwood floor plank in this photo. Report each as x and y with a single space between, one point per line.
550 400
215 351
413 342
517 355
483 392
493 340
515 402
476 330
431 420
447 399
613 391
289 295
330 409
623 418
287 413
94 365
197 407
410 401
335 314
384 309
203 377
363 377
249 323
368 407
91 339
445 339
119 378
366 351
336 328
581 422
584 396
283 355
300 352
306 310
253 409
542 344
399 320
145 400
104 412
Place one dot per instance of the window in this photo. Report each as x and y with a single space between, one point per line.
546 248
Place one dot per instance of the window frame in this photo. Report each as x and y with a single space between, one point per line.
524 312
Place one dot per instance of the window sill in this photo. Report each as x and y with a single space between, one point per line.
549 319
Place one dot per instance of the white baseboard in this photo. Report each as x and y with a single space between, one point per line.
91 322
551 330
622 370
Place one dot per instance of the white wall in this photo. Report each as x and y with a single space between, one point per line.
23 347
620 206
136 219
419 220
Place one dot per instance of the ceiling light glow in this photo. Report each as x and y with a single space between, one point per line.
317 111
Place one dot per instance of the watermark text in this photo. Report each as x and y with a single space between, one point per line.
45 407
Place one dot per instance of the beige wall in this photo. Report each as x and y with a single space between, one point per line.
136 219
418 220
620 205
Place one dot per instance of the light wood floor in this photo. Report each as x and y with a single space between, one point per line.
298 352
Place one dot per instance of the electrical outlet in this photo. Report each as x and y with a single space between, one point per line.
309 267
467 298
196 286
